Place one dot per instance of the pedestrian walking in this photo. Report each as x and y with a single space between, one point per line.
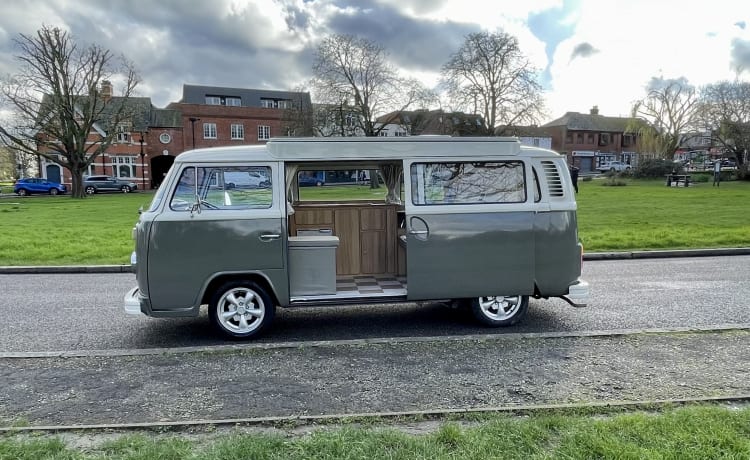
574 177
717 173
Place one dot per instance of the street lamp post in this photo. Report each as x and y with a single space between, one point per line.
192 125
143 166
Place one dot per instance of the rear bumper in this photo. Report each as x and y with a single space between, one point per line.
132 302
578 293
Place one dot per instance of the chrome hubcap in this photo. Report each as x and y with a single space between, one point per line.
241 310
500 307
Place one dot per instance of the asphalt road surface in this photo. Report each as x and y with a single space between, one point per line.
64 312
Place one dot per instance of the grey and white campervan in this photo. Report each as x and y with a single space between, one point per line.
481 222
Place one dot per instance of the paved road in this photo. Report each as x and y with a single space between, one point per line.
82 312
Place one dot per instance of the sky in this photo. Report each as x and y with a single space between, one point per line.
588 52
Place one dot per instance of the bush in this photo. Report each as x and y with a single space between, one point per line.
655 167
613 181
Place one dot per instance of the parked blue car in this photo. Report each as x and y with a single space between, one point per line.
29 185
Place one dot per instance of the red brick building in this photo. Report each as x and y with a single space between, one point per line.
590 140
206 116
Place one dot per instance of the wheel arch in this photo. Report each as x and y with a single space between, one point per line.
221 278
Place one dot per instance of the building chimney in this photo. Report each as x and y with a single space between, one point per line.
106 90
594 110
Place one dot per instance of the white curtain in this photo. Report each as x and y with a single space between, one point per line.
392 177
292 193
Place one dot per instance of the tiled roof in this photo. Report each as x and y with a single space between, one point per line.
196 94
165 118
575 121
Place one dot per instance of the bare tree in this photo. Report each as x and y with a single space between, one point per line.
354 71
490 76
725 108
670 110
57 100
297 118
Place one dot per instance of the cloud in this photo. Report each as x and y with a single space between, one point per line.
741 55
741 24
583 50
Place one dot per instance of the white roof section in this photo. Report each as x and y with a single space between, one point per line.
322 149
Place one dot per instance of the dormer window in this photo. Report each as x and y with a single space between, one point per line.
224 100
275 103
123 132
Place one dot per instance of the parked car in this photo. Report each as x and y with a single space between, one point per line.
27 186
614 166
246 179
311 178
98 184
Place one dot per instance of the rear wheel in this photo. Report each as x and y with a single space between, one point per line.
498 311
125 189
90 190
240 309
22 192
53 191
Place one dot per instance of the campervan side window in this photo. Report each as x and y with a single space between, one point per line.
468 183
223 188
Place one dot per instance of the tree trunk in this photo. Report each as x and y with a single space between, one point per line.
77 190
374 182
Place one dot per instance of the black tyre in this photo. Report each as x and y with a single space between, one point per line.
53 191
500 311
125 189
90 190
241 309
22 192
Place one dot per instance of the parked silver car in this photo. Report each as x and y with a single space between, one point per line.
98 184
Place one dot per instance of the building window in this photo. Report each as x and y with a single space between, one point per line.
569 138
264 133
238 131
383 134
123 166
123 132
234 101
209 130
604 139
590 138
275 103
165 138
213 100
535 142
400 134
579 138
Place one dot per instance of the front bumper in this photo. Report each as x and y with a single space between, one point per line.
132 302
578 293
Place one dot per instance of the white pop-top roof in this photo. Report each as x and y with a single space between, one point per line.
315 149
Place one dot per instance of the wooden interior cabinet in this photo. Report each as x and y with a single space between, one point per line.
367 234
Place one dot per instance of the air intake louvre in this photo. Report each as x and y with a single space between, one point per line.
554 182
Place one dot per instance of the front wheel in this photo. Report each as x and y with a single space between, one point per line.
53 191
22 192
498 311
90 190
125 189
240 309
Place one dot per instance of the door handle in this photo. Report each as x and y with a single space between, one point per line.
418 232
269 236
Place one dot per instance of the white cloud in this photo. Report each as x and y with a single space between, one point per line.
638 40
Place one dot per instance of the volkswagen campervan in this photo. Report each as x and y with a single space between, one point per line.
481 222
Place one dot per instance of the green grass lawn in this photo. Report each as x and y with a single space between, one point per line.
702 432
641 215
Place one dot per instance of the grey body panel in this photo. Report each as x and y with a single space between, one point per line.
557 252
465 255
185 256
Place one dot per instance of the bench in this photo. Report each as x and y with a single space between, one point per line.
677 178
